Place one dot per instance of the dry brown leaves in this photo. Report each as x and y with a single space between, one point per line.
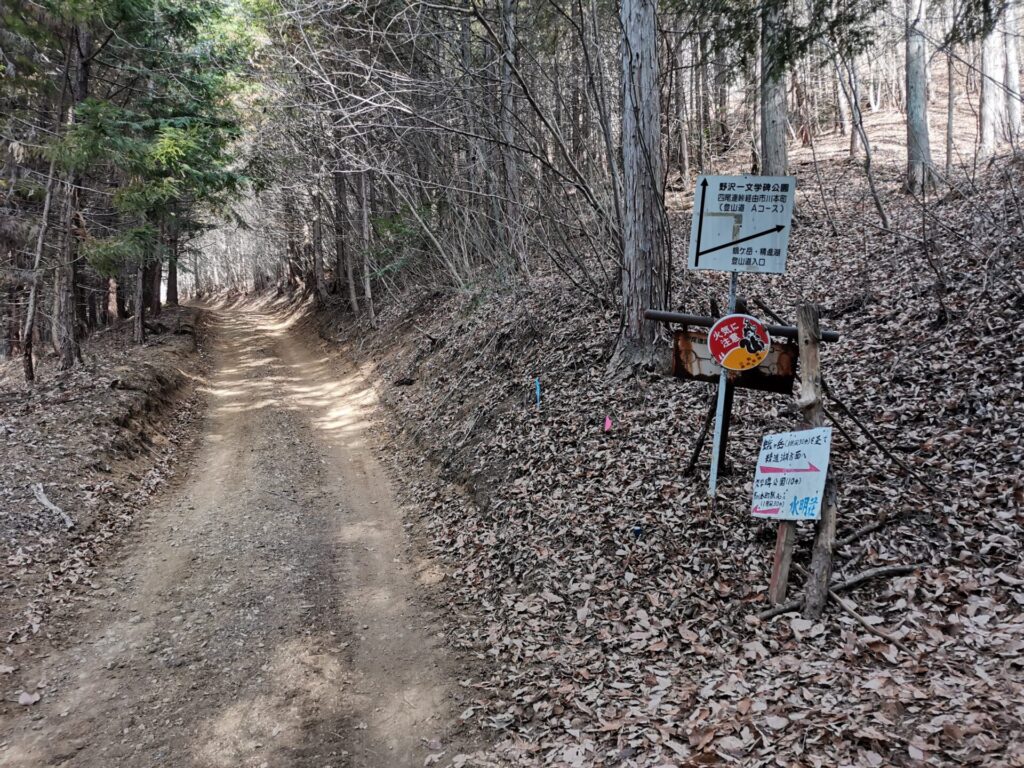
94 438
612 611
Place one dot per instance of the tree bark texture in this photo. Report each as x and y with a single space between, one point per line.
139 317
364 213
345 267
1011 77
65 317
318 246
156 271
172 265
919 153
992 101
811 394
514 236
774 161
645 258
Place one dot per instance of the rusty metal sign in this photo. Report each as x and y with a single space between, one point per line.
692 359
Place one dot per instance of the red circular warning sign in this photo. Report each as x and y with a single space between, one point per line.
738 342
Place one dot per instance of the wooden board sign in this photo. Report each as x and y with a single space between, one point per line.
789 482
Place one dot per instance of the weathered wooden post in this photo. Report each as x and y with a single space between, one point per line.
784 541
810 403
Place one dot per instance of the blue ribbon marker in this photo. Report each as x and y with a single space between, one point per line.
536 383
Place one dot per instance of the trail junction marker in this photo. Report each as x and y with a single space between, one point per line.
789 482
742 223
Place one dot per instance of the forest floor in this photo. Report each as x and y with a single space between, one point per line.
97 441
545 586
615 611
263 611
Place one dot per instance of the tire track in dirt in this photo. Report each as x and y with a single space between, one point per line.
263 614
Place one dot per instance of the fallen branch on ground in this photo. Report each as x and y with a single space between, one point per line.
871 436
864 623
862 531
860 578
40 494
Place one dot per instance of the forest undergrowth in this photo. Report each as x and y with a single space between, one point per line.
614 612
74 476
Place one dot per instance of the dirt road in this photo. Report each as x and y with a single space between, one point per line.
263 613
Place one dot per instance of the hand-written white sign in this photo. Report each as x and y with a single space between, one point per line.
741 223
790 479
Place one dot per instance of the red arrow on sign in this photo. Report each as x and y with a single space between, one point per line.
788 470
755 510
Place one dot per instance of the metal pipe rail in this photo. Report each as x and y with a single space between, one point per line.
706 321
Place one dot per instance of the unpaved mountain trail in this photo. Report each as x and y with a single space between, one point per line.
264 612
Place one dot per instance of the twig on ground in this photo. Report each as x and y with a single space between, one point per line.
848 607
862 531
849 438
889 454
864 623
41 497
860 578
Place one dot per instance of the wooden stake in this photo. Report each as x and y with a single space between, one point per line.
811 397
784 542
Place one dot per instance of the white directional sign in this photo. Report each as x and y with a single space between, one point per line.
742 223
790 479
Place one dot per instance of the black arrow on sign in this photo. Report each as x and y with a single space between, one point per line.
776 228
700 221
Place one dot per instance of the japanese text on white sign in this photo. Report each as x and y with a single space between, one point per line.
742 223
790 479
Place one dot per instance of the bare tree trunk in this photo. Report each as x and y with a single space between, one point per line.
515 239
364 213
842 110
197 287
33 293
318 245
848 70
773 91
950 109
1012 76
919 153
721 84
704 99
65 310
346 268
8 316
683 146
172 263
139 318
172 281
108 292
811 392
121 296
856 114
645 260
992 102
156 270
754 102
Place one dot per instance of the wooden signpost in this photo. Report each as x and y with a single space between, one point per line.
741 224
810 403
